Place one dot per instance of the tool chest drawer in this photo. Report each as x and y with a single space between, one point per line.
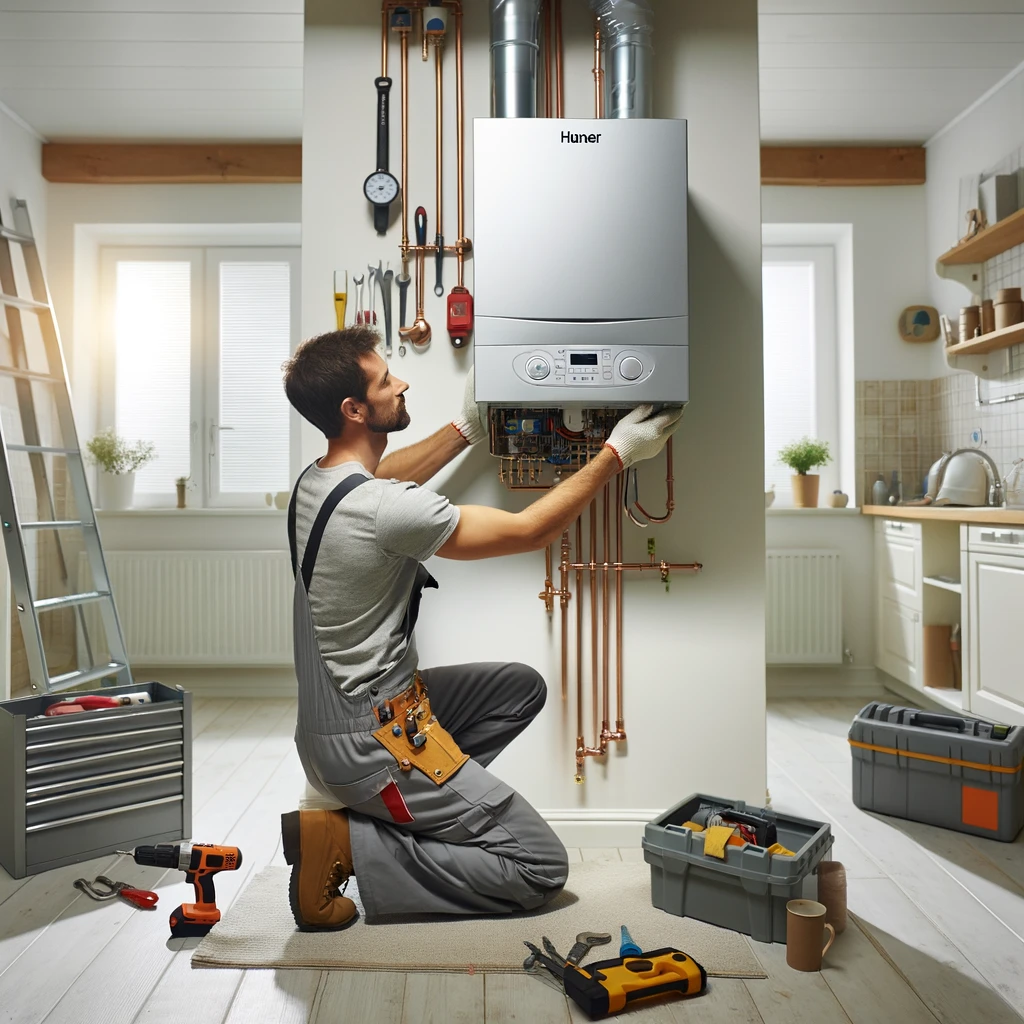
77 786
951 771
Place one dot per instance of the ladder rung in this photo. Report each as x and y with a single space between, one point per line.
15 236
13 300
85 675
38 449
14 371
56 524
49 603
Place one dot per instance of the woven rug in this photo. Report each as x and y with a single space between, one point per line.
259 931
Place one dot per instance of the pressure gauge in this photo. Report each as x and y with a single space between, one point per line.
381 188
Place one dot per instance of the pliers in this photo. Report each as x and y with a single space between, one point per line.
544 967
144 899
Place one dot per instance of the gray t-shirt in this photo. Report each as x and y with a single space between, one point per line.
365 570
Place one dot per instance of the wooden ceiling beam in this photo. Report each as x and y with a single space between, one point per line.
171 164
842 165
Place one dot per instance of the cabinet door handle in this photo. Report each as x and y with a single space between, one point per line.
997 537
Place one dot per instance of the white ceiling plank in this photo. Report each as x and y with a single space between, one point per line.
876 28
70 53
157 6
921 56
30 103
919 7
46 78
141 27
873 85
178 126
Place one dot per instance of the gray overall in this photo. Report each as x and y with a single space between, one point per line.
472 845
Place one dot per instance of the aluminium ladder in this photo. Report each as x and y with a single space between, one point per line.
33 372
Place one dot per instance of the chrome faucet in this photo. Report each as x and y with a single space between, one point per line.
995 491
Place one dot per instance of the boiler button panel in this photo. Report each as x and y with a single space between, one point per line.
579 367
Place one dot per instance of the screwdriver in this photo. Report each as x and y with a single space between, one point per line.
627 947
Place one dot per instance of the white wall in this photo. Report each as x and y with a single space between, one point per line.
20 178
694 656
890 267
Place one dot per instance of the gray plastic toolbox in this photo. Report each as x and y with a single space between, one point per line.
749 889
79 786
947 770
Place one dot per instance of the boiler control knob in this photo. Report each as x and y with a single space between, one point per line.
631 367
537 367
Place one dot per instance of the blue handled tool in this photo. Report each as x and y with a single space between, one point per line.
627 947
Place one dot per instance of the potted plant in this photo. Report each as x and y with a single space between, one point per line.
804 455
118 459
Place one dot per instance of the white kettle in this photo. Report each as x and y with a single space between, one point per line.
961 478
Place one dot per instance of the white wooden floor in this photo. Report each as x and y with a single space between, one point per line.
941 935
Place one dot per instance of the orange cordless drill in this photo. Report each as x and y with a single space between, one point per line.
200 862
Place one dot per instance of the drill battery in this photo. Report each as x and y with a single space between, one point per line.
607 987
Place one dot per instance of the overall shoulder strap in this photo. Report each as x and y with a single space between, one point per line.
316 534
291 519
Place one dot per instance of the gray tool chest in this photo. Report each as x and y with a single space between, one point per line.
947 770
749 889
78 786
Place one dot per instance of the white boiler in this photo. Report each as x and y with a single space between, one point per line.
580 266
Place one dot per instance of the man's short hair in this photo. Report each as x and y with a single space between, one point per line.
324 371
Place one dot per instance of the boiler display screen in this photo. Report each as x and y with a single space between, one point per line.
583 359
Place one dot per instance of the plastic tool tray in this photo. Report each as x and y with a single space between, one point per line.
749 889
947 770
78 786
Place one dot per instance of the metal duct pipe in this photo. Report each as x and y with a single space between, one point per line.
514 30
626 29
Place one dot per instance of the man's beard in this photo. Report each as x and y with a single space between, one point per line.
399 420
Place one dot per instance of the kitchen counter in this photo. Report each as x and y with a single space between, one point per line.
1006 516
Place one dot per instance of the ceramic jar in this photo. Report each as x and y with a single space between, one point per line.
1008 307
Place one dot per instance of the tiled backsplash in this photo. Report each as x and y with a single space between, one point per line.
907 424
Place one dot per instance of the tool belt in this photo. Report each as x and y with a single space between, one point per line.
411 732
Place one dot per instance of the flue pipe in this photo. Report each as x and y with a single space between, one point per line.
548 42
559 71
626 26
514 29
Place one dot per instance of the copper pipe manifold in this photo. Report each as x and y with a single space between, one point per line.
599 572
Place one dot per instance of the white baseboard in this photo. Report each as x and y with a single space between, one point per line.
784 683
224 682
602 827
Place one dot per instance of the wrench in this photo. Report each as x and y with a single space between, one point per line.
584 942
385 290
549 946
371 312
357 280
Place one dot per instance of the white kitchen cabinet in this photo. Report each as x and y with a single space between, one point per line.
994 648
899 641
898 635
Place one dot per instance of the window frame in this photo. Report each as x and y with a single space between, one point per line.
204 393
826 369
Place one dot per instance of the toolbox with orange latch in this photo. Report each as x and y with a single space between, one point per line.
953 771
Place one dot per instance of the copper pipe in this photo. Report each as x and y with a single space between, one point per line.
563 601
598 99
547 595
559 76
404 33
594 665
605 610
438 82
547 58
461 141
620 725
670 501
384 41
579 634
423 32
640 566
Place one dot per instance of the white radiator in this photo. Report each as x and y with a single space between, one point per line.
803 608
201 607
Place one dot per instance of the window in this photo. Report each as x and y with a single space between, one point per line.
198 336
801 393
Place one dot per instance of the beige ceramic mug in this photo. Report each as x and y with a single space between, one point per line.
805 931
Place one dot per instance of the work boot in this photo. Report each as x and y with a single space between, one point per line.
317 845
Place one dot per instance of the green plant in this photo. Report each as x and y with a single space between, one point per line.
116 455
804 455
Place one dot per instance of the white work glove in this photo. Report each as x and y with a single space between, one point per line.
469 423
641 435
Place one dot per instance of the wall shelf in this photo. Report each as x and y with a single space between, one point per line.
991 342
988 242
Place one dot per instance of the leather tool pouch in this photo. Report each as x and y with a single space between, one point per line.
421 741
